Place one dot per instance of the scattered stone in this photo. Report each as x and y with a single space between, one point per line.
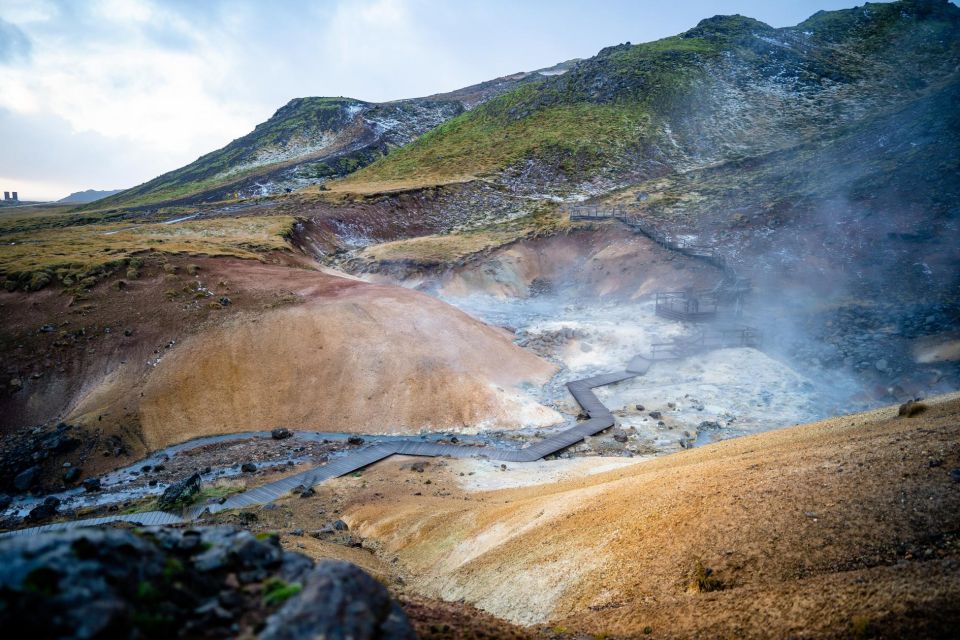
355 440
308 493
934 463
26 478
708 424
911 408
225 301
248 467
640 407
419 467
955 475
47 509
281 434
180 493
656 415
71 475
128 332
91 484
620 437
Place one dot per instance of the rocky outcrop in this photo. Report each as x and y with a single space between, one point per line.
174 583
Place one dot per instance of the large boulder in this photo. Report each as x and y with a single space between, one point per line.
339 602
160 582
180 493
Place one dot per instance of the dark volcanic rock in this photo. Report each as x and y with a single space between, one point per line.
71 475
248 467
281 434
91 484
43 511
339 601
180 493
215 582
26 478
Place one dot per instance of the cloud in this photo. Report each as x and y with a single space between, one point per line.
14 43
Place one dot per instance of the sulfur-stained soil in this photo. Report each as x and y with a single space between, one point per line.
196 345
843 528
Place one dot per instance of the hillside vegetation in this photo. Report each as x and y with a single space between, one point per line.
728 87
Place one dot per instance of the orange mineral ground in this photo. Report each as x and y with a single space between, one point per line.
296 348
837 528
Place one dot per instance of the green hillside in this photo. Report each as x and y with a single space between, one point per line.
730 86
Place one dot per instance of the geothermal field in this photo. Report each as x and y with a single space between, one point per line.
660 342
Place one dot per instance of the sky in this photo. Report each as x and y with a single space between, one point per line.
107 94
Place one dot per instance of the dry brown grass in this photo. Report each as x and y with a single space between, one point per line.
452 248
74 252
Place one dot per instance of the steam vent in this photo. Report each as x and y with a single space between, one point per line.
659 341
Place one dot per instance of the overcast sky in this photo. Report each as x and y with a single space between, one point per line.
109 93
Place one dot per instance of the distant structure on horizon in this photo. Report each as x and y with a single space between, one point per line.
8 198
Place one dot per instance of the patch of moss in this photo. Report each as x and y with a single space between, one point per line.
276 591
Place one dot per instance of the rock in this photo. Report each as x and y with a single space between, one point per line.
308 493
180 493
881 365
419 467
225 301
248 467
98 583
708 424
15 384
355 440
26 478
339 601
656 415
620 437
955 475
281 434
71 475
91 484
640 407
47 509
911 408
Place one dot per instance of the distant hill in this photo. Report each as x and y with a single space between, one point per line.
90 195
310 140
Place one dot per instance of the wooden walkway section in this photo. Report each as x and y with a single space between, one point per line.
599 419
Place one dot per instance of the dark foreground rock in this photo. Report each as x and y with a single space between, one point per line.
183 583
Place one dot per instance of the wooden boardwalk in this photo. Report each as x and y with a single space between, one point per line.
599 418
